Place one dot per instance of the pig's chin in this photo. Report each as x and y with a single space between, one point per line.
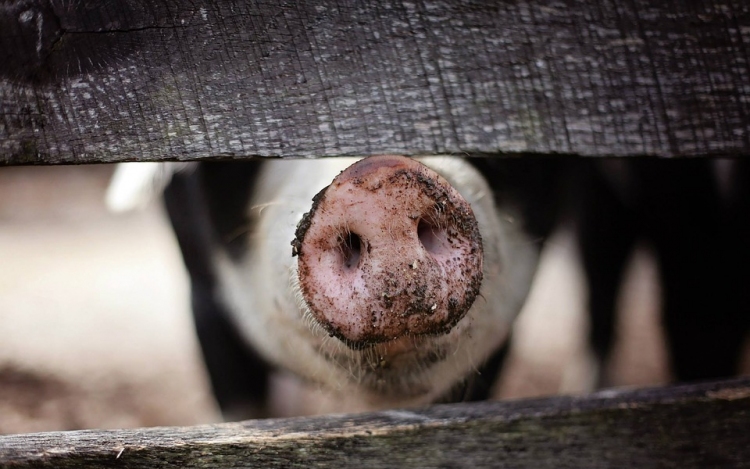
401 368
397 368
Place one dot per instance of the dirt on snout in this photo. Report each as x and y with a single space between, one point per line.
417 247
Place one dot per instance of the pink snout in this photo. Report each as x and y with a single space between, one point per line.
390 249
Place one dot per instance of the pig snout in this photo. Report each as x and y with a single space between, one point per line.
389 249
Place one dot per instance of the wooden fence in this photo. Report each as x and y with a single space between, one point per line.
703 425
87 82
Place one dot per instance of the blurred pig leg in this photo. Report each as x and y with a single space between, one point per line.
606 236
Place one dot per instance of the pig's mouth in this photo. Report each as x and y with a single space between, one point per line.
398 368
395 368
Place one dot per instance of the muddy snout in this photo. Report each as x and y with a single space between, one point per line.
389 249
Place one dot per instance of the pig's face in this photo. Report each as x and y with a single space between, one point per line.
388 362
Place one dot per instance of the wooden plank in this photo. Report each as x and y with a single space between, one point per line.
703 425
108 81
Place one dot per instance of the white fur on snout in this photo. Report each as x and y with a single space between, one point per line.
262 292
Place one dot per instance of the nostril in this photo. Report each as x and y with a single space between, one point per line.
433 238
351 249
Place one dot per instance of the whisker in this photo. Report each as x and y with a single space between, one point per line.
261 207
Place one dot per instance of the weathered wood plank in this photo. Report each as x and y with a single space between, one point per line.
703 425
88 81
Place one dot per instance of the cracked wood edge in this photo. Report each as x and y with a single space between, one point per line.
699 425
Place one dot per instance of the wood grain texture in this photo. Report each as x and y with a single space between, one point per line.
176 79
703 425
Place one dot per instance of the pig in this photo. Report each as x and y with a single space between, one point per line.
693 214
383 282
254 235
